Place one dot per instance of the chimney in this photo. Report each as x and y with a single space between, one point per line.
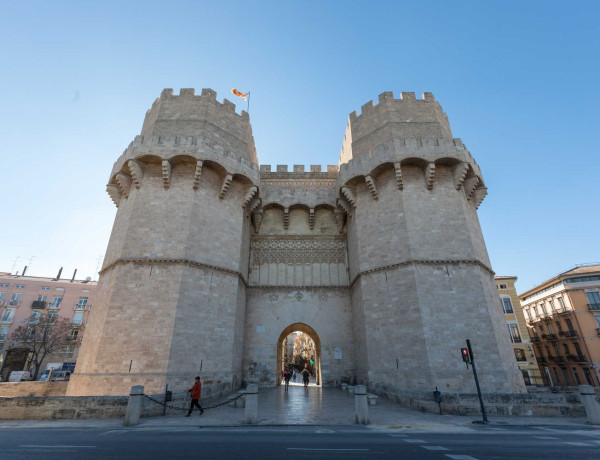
24 270
74 273
58 276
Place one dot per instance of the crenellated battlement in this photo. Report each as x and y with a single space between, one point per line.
387 98
191 115
298 169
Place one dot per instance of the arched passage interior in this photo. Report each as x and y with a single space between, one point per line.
315 338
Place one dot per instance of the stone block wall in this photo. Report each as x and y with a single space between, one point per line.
14 389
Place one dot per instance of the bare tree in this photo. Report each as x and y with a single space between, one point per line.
44 335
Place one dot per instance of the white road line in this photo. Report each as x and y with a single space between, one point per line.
415 440
334 450
545 437
460 457
434 448
324 430
492 428
394 435
55 446
579 444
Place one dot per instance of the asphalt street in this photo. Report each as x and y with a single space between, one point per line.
314 442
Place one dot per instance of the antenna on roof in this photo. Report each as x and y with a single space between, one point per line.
58 276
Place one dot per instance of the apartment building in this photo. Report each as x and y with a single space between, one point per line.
563 314
26 298
518 330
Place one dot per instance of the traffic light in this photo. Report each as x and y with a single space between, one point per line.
465 355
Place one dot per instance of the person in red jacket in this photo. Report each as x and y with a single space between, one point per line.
196 391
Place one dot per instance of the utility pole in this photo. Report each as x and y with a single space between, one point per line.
468 358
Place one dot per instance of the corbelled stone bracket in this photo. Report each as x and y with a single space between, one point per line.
429 175
253 206
342 204
258 217
166 173
253 190
349 195
197 174
311 218
460 173
339 219
136 171
478 195
470 184
398 169
372 188
225 187
114 193
124 183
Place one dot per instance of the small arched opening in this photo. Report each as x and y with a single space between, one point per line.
298 345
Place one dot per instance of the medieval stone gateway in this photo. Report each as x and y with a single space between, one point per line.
212 259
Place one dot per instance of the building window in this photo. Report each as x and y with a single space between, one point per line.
559 326
576 375
561 303
543 306
15 300
35 317
552 308
3 333
52 315
588 376
503 286
45 288
56 300
593 298
67 352
550 329
8 315
520 354
507 305
73 334
42 297
78 317
59 289
4 285
20 286
515 336
81 304
597 320
578 349
526 376
566 347
528 313
556 375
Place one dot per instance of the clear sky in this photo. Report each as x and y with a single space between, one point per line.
519 81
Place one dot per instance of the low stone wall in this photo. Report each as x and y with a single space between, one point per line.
532 405
14 389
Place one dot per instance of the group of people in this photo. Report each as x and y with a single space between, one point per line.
287 375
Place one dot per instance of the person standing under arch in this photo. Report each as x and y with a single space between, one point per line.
305 376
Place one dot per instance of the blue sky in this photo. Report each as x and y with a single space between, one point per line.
518 80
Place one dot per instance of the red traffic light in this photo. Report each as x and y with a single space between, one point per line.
465 354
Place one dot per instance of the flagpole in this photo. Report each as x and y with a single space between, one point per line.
248 106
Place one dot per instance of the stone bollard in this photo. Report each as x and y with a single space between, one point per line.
251 409
360 404
592 408
134 405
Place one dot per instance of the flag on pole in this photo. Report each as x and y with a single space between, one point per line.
244 96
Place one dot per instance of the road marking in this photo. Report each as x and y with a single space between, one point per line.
460 457
415 440
112 432
55 446
579 444
394 435
334 450
496 429
434 448
324 431
545 437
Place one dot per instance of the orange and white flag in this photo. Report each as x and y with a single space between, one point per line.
244 96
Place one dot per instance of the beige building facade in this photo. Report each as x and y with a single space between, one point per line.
214 260
518 330
24 298
563 315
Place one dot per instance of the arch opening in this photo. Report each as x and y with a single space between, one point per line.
298 345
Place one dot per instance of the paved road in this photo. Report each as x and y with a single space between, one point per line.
311 442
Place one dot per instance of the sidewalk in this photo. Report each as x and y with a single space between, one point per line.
316 406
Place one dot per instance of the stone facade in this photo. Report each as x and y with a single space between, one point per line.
213 261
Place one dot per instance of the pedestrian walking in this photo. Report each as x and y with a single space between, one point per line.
196 392
286 378
305 376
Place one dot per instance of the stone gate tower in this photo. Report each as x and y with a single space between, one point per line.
212 260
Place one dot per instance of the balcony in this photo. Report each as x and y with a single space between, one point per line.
13 303
7 320
549 336
80 306
38 304
572 357
580 359
535 338
594 306
53 306
563 311
541 359
559 359
571 334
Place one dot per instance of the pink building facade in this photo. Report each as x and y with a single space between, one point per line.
23 298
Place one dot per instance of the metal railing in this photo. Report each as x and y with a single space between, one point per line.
594 306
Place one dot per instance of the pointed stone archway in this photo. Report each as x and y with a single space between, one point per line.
313 335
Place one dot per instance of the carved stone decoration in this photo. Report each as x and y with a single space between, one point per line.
298 249
258 217
460 173
470 185
429 175
197 174
225 187
298 296
124 183
273 297
286 218
349 195
323 296
339 219
342 204
372 188
249 195
398 169
114 193
253 206
166 173
136 171
478 195
311 218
